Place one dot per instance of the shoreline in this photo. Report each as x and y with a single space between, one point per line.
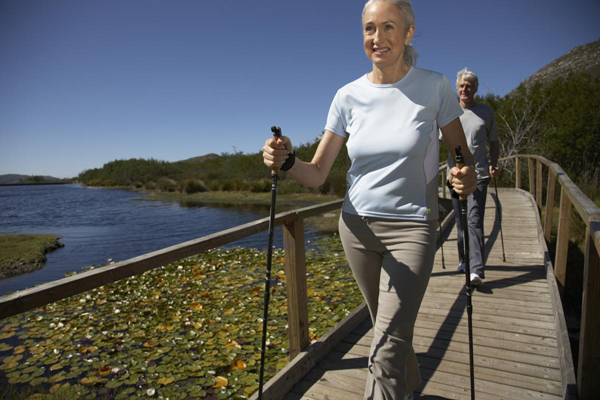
24 253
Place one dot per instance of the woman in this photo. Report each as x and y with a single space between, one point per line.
391 117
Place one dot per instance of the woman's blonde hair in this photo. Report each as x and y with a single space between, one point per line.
408 15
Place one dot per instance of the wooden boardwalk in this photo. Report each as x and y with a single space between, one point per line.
515 339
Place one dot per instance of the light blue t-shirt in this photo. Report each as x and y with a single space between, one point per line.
393 143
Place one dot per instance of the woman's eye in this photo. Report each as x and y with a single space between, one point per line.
389 27
369 29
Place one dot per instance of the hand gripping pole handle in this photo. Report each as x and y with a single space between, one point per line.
459 161
277 134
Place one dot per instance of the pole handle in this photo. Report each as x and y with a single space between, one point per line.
277 134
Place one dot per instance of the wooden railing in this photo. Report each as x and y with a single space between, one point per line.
588 384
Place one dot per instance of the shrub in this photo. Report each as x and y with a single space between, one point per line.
150 185
290 186
214 186
138 185
194 186
166 185
227 185
260 186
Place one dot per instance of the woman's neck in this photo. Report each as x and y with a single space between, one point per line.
391 74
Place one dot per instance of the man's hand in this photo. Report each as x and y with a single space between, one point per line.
495 171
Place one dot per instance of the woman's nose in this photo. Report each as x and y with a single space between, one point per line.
377 37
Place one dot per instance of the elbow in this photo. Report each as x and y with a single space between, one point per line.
317 183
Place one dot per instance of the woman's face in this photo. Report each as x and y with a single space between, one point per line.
384 34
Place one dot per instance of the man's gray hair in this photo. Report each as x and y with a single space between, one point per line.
408 15
469 76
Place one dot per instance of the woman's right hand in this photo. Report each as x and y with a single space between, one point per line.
275 151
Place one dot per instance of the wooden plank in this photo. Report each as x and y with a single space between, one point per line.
345 368
448 336
589 337
462 348
495 281
562 241
538 185
292 373
38 296
295 274
488 333
350 353
493 375
484 387
550 333
537 314
353 384
433 390
319 391
531 169
491 301
518 173
549 205
510 293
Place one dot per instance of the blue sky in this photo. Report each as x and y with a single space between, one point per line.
85 82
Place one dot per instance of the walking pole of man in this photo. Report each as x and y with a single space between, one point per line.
277 133
499 212
460 163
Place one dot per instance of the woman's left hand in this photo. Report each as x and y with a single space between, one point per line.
463 180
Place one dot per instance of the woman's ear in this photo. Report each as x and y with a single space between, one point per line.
410 32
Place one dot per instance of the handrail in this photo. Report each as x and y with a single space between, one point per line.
589 338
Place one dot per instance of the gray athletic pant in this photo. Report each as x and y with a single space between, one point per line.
391 261
475 215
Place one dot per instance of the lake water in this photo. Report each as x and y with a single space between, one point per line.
98 224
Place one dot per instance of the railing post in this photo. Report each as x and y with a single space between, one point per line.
444 188
295 274
531 176
588 383
562 240
549 205
538 185
518 173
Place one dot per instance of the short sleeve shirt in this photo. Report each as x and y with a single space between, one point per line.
479 125
392 143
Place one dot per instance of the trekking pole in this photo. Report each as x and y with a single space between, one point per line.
499 212
460 162
276 133
442 244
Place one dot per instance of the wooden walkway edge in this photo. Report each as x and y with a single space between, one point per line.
521 345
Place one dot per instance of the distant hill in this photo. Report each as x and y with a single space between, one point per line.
582 59
210 156
10 179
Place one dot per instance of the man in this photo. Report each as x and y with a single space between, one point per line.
479 125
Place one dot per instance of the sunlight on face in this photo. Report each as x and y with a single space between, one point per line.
385 35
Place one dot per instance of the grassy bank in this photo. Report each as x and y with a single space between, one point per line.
296 200
24 253
326 223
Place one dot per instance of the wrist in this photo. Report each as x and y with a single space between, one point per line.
289 163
